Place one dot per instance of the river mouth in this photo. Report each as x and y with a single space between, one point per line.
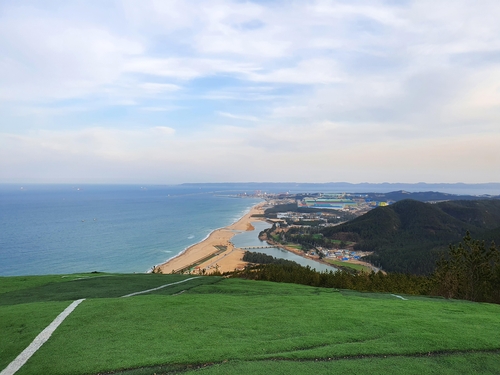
251 239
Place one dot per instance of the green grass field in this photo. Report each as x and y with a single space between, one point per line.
215 325
294 246
357 267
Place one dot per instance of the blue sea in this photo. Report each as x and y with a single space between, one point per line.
54 229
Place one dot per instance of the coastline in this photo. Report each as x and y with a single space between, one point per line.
214 252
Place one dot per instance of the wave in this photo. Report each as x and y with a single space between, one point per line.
245 211
183 251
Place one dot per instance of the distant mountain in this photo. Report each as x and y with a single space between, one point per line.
346 187
408 236
425 196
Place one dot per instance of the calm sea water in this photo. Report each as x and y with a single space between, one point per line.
64 229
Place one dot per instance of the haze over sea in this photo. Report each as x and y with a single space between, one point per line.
51 229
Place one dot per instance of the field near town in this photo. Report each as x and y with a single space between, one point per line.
215 325
355 266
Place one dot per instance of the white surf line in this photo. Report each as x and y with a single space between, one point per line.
395 295
26 354
160 287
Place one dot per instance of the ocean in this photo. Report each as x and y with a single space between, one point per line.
54 229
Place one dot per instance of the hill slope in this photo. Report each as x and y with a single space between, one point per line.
216 325
409 235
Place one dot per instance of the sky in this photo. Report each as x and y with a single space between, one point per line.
166 92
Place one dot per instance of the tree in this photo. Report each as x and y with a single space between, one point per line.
470 271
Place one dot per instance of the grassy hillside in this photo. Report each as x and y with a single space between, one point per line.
216 325
408 236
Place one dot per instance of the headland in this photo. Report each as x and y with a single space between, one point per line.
214 252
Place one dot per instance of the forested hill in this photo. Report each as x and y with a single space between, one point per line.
409 235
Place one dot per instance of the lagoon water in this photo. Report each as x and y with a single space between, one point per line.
249 239
52 229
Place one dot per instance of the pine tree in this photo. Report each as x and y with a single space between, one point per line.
470 271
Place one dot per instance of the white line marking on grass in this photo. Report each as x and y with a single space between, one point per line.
80 277
26 354
395 295
160 287
91 277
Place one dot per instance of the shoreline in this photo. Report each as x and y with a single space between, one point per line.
216 251
152 269
300 253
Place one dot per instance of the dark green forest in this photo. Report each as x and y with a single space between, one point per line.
410 236
260 258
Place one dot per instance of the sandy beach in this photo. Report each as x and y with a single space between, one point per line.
216 251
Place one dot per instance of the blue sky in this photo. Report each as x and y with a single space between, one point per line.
214 91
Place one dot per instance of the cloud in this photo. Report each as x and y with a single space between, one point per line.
237 117
107 143
160 109
164 130
157 88
307 72
318 152
327 90
186 68
47 58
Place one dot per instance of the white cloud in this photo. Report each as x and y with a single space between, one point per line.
372 84
318 152
160 108
157 88
186 68
164 130
47 58
307 72
237 117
